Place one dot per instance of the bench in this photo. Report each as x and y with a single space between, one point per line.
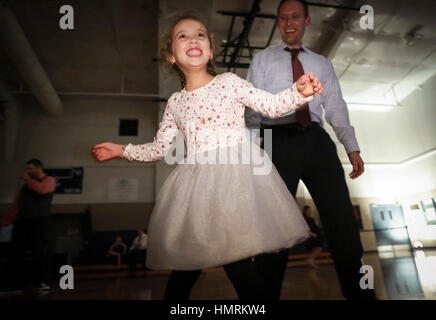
97 244
297 260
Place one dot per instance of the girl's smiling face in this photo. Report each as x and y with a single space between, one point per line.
190 45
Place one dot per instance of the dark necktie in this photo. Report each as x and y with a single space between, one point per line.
302 114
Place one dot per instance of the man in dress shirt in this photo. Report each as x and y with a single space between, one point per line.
138 250
30 215
301 149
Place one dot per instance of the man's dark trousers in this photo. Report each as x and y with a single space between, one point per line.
137 255
310 155
29 234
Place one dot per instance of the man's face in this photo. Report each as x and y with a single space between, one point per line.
140 232
292 23
33 171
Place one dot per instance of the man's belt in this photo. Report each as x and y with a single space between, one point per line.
291 126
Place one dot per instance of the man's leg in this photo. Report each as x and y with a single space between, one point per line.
133 258
272 266
180 284
325 180
40 247
4 254
15 263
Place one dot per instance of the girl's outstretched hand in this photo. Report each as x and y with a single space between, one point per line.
309 84
107 150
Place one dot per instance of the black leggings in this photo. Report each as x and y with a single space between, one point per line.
243 275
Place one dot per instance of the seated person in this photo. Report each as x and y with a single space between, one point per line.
117 249
138 250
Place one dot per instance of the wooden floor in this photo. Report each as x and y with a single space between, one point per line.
114 271
300 283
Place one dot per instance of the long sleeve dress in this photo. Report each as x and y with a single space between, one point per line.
225 201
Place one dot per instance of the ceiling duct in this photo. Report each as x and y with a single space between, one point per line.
19 50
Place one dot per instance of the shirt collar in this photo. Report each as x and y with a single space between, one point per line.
282 47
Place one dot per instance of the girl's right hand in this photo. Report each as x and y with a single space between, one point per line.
309 84
107 150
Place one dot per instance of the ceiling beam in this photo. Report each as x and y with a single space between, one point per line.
248 23
334 30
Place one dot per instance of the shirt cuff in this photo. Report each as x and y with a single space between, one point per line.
351 145
127 152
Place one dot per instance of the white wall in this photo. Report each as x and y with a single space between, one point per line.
388 140
66 141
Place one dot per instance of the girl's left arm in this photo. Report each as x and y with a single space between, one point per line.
271 105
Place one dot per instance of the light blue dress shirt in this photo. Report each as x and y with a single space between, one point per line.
271 70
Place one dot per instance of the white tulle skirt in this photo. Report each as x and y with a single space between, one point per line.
208 215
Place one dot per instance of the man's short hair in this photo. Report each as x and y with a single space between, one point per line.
303 2
35 162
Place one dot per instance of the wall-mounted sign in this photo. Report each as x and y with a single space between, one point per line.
68 180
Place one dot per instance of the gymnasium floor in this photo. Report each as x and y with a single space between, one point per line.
397 276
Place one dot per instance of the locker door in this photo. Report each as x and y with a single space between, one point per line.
389 225
396 216
379 219
387 216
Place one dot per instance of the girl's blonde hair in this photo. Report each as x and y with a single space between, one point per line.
166 52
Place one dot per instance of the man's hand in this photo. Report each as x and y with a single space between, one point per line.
25 176
357 163
308 84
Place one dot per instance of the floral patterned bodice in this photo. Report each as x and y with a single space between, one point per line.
212 116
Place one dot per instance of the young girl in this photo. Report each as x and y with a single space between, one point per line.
209 215
118 250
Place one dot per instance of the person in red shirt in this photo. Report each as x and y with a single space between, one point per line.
30 215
